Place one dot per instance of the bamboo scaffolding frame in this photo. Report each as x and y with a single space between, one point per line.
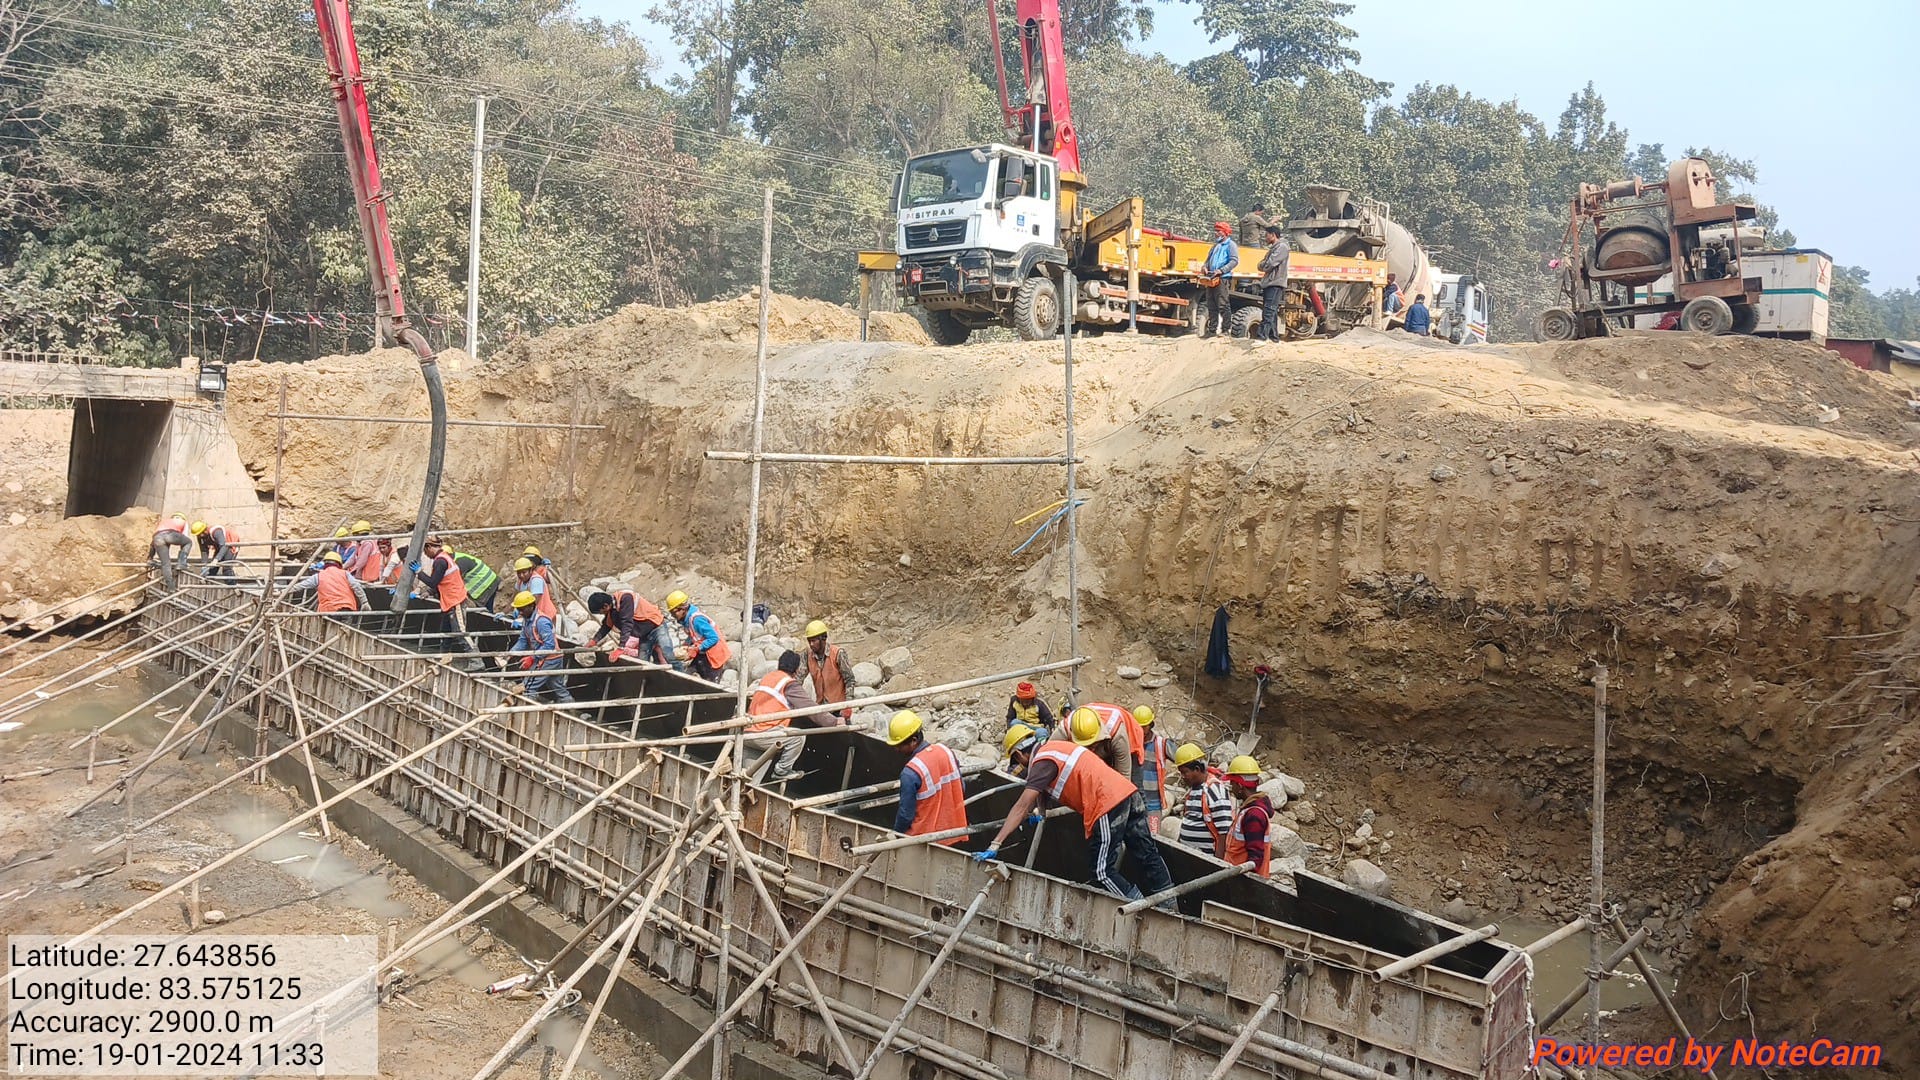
1247 1031
51 769
115 622
834 797
926 977
1135 907
874 459
300 731
478 531
1653 980
1585 989
95 661
76 616
527 424
1429 955
898 842
1549 941
604 703
95 733
139 658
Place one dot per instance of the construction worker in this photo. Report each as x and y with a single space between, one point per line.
632 620
1111 732
1152 766
527 573
1222 258
828 669
706 652
170 548
933 791
1208 814
1390 298
1273 283
1247 837
1062 773
1419 320
779 690
361 557
439 578
483 585
1253 224
542 646
391 562
334 589
1026 708
217 554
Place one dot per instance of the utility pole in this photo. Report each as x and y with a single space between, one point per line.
473 225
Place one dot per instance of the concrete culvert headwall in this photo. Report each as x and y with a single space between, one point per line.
1431 547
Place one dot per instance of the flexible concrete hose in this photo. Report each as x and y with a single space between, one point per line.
436 461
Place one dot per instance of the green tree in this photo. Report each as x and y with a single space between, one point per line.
1282 39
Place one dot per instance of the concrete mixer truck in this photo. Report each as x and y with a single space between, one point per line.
1343 224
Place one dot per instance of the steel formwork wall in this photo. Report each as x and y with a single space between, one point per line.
498 789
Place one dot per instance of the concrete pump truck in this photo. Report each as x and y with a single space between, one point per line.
985 235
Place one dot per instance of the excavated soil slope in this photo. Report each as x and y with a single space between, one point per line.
1431 546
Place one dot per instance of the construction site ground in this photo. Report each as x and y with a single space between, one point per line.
1431 547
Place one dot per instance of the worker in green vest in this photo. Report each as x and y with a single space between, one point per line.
482 581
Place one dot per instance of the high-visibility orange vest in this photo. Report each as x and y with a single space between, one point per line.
643 609
717 656
334 590
770 696
1086 784
453 586
828 686
175 523
942 800
543 600
1237 840
1114 717
369 564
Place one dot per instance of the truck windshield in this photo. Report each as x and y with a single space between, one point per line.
940 178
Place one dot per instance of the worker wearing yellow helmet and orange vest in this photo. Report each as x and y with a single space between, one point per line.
542 645
1247 838
1207 815
933 790
362 558
170 548
217 552
829 670
706 651
1069 774
439 577
335 590
528 573
1109 731
1154 756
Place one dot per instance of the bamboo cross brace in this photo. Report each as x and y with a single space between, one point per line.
69 620
741 999
1653 980
926 977
935 837
275 833
112 624
170 688
300 730
891 697
1580 989
27 700
1245 1038
237 775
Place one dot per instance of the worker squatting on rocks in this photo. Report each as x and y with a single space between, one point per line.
933 790
828 669
706 652
1207 816
1025 707
1273 283
541 643
778 691
1247 837
170 548
334 588
217 553
1222 259
631 622
1065 774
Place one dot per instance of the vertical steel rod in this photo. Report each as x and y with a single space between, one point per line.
473 230
1073 480
1596 917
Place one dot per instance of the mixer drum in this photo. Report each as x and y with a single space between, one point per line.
1631 254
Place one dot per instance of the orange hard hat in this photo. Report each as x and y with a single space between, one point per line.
1025 691
1222 228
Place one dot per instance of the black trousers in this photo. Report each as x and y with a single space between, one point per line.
1219 309
1270 298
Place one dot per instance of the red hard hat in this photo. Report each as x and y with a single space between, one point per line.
1222 228
1024 691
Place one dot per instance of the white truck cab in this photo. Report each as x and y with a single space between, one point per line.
1461 308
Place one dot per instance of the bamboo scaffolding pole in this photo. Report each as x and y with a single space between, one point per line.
935 837
95 733
224 624
1596 901
96 661
115 622
522 424
49 770
78 615
239 774
766 975
1653 980
312 540
926 977
1586 989
874 459
1135 907
300 731
799 965
1558 936
722 739
1247 1031
272 834
600 1000
604 703
1429 955
850 794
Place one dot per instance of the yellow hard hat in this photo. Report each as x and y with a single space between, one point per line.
362 528
523 598
904 725
816 628
1244 765
1143 715
331 557
531 550
1188 754
197 528
676 600
523 563
340 532
1084 726
1018 735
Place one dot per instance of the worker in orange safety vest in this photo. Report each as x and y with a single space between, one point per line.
933 790
1247 838
170 539
1069 774
1208 811
335 590
780 690
828 669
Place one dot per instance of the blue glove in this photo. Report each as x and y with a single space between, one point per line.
1035 818
414 566
988 855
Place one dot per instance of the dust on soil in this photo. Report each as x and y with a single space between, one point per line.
1432 547
447 1027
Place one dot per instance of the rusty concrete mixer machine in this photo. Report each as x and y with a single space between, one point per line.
1632 233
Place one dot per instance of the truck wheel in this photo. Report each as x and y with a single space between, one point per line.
1706 315
1245 321
1036 309
1746 318
1558 324
945 329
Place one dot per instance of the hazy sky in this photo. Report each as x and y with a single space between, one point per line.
1823 98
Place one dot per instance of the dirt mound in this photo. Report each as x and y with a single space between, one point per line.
33 443
59 559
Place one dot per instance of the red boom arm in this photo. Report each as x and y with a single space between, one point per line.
1045 122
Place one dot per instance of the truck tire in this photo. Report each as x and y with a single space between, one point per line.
1559 324
1036 309
1707 315
1245 322
1746 318
945 329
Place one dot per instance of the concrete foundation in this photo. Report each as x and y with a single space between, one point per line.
168 456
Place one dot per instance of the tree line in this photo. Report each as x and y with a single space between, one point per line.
172 182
